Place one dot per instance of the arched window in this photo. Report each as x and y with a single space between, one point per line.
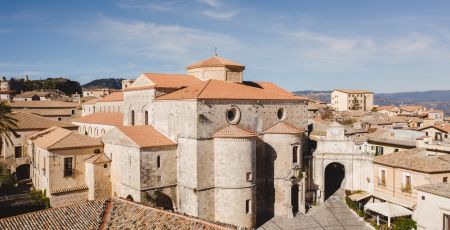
146 117
132 117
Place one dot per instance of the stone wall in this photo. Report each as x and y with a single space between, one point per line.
138 101
69 198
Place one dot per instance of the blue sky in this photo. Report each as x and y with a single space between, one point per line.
385 46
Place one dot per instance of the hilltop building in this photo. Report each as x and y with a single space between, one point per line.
347 100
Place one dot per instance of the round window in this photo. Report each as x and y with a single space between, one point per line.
105 166
233 115
280 114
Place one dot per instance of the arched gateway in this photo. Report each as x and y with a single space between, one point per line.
339 163
23 172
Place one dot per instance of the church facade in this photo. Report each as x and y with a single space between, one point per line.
210 145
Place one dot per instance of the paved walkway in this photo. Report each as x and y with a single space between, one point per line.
334 214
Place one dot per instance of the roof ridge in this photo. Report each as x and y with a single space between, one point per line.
204 87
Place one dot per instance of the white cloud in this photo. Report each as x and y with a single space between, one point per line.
212 3
219 15
151 39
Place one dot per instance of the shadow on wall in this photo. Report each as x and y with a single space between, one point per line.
334 176
265 188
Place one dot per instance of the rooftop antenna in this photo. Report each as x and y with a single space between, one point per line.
215 51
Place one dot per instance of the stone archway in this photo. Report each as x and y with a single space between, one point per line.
130 198
334 178
23 172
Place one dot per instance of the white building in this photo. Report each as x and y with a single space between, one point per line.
433 206
346 100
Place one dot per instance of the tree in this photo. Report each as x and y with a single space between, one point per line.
7 123
355 104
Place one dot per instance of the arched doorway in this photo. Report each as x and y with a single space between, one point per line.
334 176
130 198
23 172
294 199
35 98
164 201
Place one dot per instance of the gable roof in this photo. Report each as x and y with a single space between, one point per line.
116 96
283 128
416 160
445 127
171 81
439 189
146 136
102 118
108 213
215 61
233 131
99 158
28 121
56 138
411 108
216 89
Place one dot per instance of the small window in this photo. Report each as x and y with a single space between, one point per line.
396 150
73 112
445 179
294 155
423 197
146 117
158 178
68 169
105 166
18 152
248 206
59 119
132 117
158 162
233 115
280 114
248 176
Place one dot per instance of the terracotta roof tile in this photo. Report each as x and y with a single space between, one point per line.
42 104
216 89
110 213
69 189
58 138
445 127
172 81
411 108
146 136
416 160
102 118
215 61
439 189
27 121
283 128
82 216
233 131
116 96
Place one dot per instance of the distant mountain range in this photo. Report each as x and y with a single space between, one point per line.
436 99
112 83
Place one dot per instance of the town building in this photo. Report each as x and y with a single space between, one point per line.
433 206
98 92
69 167
398 173
97 124
14 153
436 115
38 96
438 132
348 100
229 144
56 110
111 103
5 91
389 110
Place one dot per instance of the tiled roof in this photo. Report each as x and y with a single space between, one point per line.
445 127
411 108
146 136
30 121
215 61
58 138
321 121
386 107
216 89
69 189
416 160
116 96
102 118
99 158
42 104
353 91
111 213
271 86
283 128
48 112
439 189
29 94
82 216
172 81
233 131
